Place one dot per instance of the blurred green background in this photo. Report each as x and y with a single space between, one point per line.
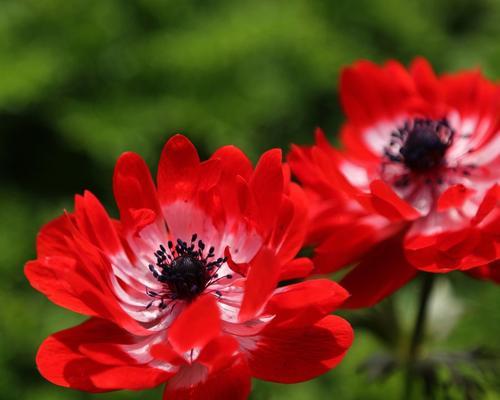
82 81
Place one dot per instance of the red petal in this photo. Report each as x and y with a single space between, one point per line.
454 250
128 377
355 145
299 159
389 204
299 353
79 280
343 245
453 197
210 173
102 226
60 360
140 218
233 162
196 326
358 97
381 272
487 272
133 188
231 383
241 268
490 201
305 302
297 268
219 352
67 284
234 165
370 93
471 94
426 81
266 186
52 239
291 227
178 170
164 352
261 281
283 223
50 276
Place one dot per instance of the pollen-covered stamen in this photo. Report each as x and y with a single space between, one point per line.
421 144
185 271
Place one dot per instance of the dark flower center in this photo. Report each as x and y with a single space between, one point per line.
185 271
420 144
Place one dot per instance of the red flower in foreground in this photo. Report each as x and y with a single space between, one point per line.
182 289
415 185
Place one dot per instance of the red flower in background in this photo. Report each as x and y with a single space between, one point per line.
182 289
416 183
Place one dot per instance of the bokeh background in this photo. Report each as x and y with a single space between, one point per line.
82 81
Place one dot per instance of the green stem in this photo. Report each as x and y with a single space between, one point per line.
418 334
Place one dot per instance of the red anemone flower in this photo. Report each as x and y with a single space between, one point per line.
416 183
183 287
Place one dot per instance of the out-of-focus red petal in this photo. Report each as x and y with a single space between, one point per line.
370 93
443 232
356 145
453 197
426 81
389 204
297 268
490 272
453 250
345 245
380 273
463 91
299 353
490 201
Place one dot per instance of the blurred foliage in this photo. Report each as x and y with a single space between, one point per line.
82 81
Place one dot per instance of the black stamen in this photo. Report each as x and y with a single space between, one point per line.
420 145
184 271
